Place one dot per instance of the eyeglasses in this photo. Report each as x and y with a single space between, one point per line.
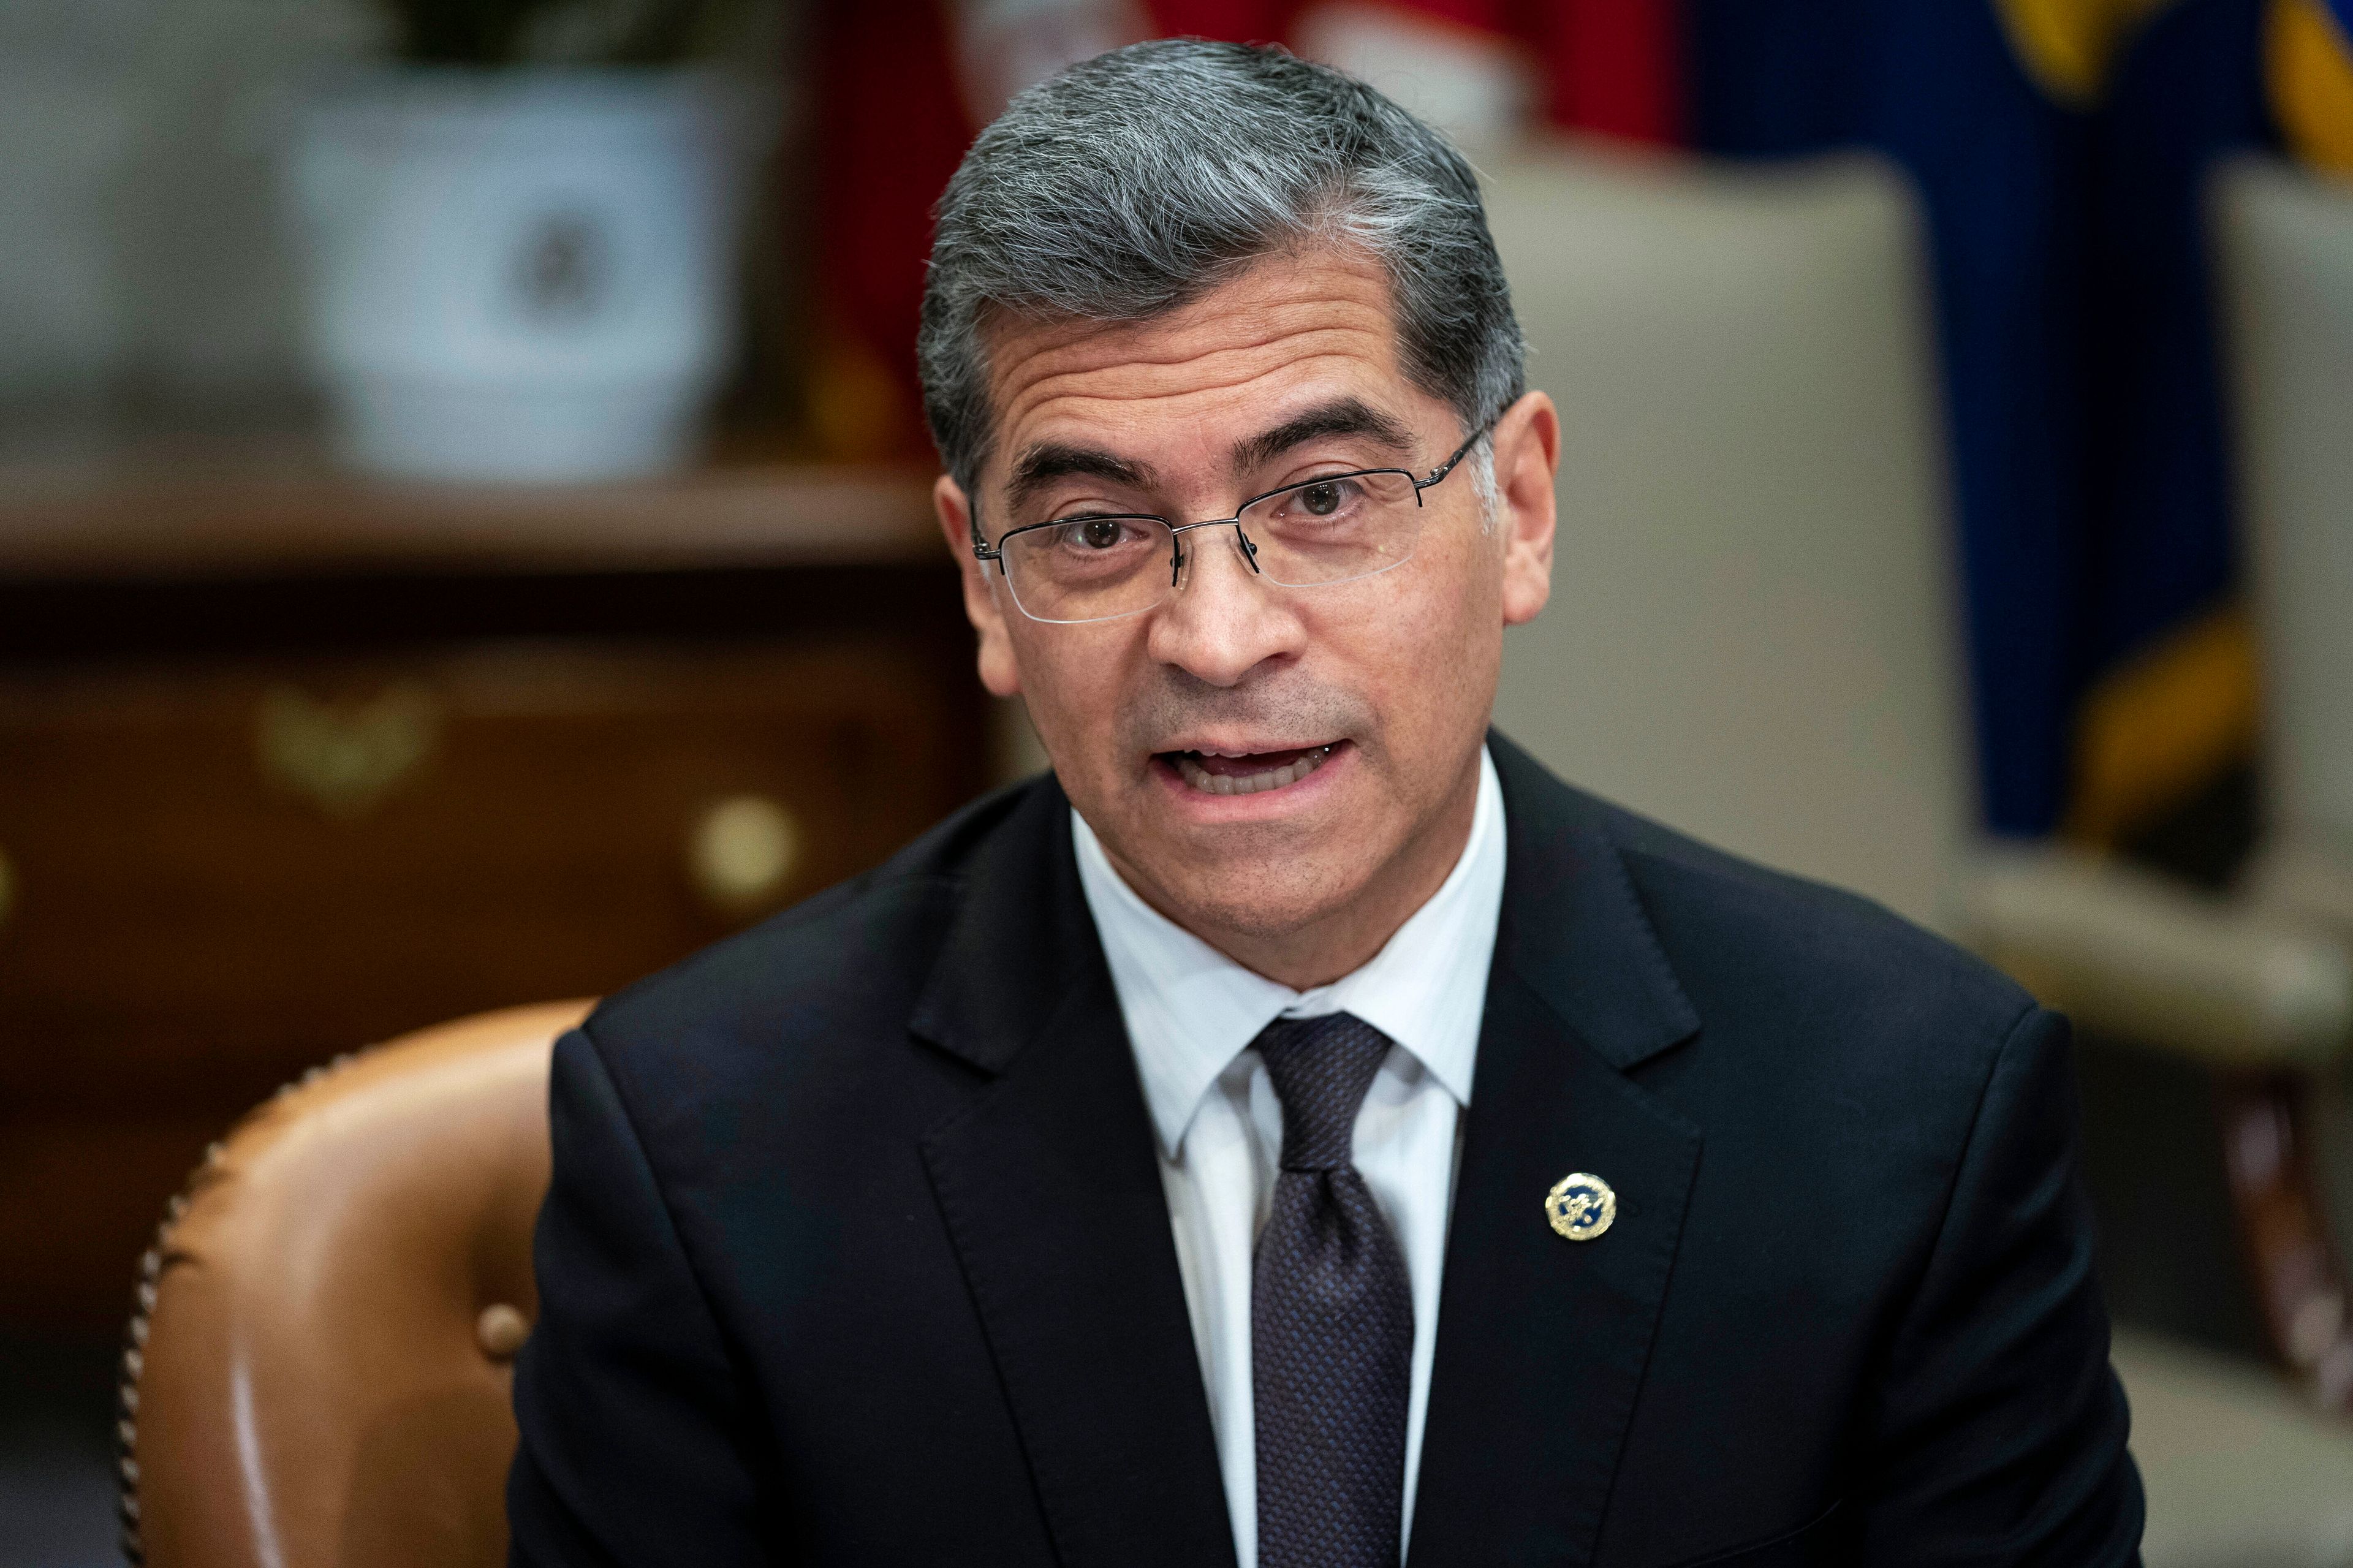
1102 566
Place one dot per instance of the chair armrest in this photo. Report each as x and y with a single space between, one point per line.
2136 955
2303 878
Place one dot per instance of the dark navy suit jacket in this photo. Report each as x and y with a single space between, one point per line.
857 1251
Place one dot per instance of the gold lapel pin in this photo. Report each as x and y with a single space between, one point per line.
1580 1207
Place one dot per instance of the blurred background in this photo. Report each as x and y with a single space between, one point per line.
464 542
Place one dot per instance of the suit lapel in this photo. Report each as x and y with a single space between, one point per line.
1542 1341
1051 1193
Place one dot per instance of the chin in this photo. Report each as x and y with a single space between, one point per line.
1257 899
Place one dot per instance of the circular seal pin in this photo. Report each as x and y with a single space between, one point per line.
1580 1207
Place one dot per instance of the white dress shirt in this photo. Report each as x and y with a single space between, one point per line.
1191 1014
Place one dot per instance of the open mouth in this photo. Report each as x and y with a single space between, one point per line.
1247 773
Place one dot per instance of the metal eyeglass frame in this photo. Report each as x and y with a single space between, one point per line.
983 551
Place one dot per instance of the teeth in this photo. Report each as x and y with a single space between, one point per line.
1202 779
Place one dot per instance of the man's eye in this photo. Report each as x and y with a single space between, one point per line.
1093 536
1339 502
1322 500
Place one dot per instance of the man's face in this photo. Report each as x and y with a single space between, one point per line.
1353 712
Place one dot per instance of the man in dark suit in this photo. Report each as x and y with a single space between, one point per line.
1300 1130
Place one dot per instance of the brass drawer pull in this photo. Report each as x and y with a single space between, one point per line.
742 853
345 758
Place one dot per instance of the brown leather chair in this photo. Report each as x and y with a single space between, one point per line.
319 1371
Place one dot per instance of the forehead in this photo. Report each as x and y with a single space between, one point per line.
1315 323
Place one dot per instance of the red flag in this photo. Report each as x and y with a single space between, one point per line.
1614 66
891 129
1233 21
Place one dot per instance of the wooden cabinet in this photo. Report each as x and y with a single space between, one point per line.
257 811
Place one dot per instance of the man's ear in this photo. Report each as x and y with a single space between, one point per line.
998 671
1528 456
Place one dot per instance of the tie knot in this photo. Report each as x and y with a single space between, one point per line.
1321 1069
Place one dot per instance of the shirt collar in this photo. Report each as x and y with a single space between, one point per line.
1190 1010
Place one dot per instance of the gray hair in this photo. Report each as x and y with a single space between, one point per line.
1134 183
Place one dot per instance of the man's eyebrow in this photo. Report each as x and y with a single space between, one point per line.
1342 417
1041 466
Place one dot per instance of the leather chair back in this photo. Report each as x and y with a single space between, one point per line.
318 1374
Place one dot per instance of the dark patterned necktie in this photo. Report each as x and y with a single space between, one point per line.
1330 1317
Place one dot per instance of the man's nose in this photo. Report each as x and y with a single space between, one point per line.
1224 620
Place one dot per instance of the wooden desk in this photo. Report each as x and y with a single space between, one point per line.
289 762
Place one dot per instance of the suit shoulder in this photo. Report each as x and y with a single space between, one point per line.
847 961
1800 939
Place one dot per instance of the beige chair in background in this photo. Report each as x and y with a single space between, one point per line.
1755 629
2287 252
1755 635
1750 633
